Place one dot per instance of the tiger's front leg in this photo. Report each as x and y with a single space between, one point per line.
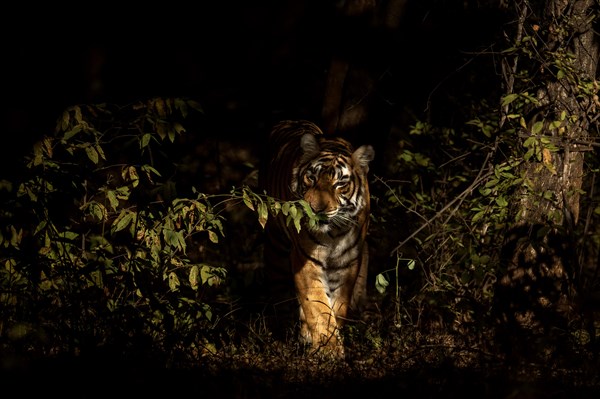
317 316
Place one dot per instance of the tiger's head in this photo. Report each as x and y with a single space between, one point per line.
332 178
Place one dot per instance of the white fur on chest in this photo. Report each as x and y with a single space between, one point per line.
336 252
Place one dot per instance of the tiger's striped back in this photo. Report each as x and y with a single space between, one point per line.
327 263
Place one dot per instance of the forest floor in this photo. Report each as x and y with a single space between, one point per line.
403 361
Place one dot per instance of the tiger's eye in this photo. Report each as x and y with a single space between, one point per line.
309 180
341 185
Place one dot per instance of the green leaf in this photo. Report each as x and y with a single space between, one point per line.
523 123
92 153
528 154
132 175
406 156
16 237
485 191
40 227
537 127
509 99
421 159
170 237
72 132
193 277
178 128
145 140
176 239
285 208
263 214
501 202
205 274
122 221
293 211
491 183
174 282
275 206
563 115
529 142
381 283
308 209
210 275
112 198
213 237
247 201
161 129
181 105
149 169
98 211
477 216
297 222
555 125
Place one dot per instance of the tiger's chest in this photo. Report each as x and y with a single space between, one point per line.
336 251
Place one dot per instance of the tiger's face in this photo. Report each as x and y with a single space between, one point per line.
331 179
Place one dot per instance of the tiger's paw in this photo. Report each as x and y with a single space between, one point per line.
330 346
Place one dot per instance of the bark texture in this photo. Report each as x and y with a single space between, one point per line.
538 290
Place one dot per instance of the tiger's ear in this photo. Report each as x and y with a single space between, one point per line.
363 155
309 146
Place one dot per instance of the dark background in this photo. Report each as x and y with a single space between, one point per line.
248 63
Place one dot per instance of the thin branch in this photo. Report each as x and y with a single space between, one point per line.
509 76
480 177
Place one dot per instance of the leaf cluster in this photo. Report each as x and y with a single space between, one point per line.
95 241
458 186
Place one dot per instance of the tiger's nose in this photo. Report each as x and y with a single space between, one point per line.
318 205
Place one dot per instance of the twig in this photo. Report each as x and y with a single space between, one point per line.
460 197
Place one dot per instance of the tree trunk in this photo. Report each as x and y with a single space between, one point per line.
538 291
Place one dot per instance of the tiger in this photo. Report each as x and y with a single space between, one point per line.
328 260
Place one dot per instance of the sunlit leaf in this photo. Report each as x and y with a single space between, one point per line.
297 223
122 221
247 201
213 237
381 283
501 202
263 214
509 99
145 140
537 127
174 282
92 153
72 132
178 127
162 130
193 277
477 216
